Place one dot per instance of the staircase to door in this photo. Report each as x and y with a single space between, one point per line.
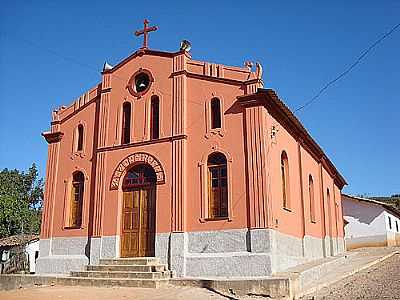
128 272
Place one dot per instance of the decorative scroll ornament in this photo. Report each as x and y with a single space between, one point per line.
259 70
136 158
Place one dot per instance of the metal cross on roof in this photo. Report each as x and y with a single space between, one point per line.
145 31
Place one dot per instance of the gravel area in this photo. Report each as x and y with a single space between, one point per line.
381 281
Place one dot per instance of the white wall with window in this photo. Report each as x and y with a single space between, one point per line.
369 223
392 222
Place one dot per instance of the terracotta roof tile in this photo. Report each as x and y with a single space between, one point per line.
16 240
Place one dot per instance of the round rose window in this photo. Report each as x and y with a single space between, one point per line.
140 82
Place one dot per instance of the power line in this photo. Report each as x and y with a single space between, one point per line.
350 68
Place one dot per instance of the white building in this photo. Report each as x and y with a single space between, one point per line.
23 247
369 223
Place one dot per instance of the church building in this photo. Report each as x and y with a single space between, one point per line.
192 162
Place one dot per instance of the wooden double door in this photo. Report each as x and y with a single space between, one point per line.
138 222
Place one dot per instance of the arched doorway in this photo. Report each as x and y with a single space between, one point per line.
138 211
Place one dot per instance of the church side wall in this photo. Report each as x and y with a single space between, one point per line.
62 242
286 220
71 161
310 238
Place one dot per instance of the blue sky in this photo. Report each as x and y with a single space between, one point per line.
52 51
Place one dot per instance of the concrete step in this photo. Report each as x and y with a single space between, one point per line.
119 282
148 261
127 268
114 274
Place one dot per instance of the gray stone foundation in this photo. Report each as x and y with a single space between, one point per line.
341 245
313 247
226 253
62 255
110 246
95 246
232 253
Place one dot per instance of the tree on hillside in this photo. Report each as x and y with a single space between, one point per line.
21 197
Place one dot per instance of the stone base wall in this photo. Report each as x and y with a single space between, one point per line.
62 255
226 253
237 253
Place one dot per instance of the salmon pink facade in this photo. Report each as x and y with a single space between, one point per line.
189 161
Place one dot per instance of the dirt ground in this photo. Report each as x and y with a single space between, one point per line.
381 281
92 293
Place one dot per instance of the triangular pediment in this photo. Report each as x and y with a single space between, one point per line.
140 53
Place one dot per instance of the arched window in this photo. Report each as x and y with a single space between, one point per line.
76 204
126 123
139 176
215 113
217 186
155 118
285 180
312 200
79 146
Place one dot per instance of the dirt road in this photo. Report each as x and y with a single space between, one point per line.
381 281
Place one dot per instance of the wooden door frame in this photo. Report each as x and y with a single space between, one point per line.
140 189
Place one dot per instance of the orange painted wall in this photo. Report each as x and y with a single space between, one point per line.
200 144
285 221
244 137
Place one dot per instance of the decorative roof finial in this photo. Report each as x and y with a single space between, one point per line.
107 66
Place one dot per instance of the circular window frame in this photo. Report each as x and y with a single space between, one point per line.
131 83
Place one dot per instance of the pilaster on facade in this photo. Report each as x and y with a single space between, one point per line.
256 161
322 207
50 189
179 109
99 188
53 138
302 210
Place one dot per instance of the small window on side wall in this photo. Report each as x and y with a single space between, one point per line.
328 197
215 113
311 196
79 146
285 180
